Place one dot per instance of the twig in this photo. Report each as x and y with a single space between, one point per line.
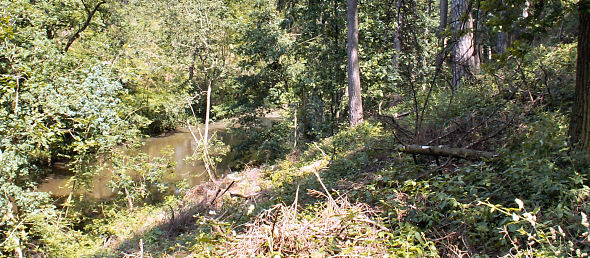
324 186
205 155
442 238
227 188
493 134
373 223
405 132
320 149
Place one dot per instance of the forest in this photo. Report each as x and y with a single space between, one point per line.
286 128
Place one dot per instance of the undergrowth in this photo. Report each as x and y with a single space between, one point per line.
355 194
531 201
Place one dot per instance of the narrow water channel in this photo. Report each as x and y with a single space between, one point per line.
181 141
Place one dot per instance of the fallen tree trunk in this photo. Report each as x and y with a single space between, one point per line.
445 151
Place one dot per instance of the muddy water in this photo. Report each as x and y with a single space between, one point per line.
181 142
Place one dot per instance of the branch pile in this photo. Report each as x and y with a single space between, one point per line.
340 227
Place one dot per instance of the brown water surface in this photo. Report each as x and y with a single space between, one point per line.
181 141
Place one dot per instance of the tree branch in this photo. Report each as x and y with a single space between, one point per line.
84 26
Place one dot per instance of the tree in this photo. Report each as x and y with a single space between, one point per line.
580 116
502 36
354 80
444 11
464 61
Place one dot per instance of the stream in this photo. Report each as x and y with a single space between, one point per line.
181 141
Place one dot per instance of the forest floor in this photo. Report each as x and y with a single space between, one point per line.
356 194
297 207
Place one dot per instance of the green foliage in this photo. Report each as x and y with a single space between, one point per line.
139 178
544 71
212 154
139 65
531 237
266 66
537 170
351 150
52 106
262 145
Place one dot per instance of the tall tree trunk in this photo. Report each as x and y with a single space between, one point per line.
501 42
525 9
444 11
295 128
354 79
464 62
303 113
397 43
505 39
340 106
580 116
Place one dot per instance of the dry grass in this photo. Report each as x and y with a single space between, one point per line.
337 228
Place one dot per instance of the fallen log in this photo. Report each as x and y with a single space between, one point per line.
445 151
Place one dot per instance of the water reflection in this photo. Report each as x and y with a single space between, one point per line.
182 144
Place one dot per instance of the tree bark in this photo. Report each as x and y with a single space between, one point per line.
501 42
397 43
84 26
303 113
580 116
354 80
295 128
441 56
444 11
464 61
